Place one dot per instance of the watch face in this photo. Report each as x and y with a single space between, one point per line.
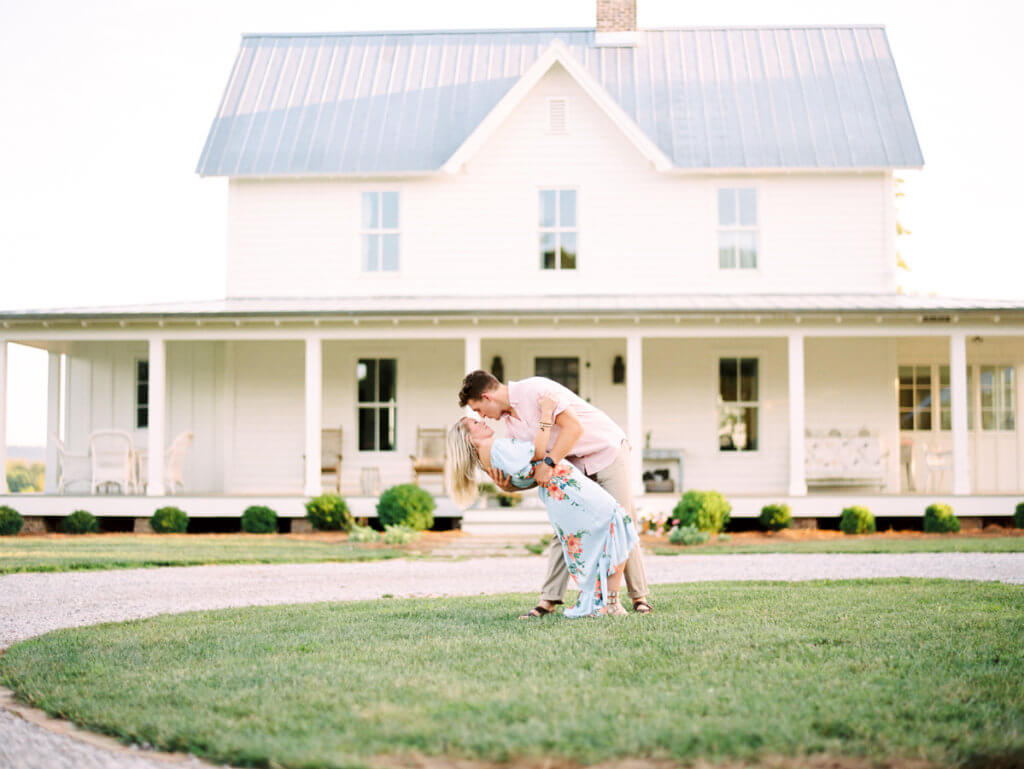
549 461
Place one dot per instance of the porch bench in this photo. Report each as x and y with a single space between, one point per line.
844 460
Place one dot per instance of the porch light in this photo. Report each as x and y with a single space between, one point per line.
618 371
498 368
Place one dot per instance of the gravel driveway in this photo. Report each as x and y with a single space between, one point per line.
31 604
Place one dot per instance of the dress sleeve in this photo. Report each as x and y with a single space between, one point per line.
511 456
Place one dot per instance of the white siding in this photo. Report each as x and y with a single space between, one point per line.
639 231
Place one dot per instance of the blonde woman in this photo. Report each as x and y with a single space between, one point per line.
596 534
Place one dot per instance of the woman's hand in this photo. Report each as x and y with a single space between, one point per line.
547 406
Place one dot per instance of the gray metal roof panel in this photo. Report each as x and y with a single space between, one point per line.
759 97
562 305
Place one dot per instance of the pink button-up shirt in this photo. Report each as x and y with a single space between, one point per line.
596 449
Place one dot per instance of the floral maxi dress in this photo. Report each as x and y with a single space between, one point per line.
596 533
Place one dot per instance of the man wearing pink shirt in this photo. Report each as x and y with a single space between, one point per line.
584 435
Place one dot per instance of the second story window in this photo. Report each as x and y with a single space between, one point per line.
380 231
737 228
558 229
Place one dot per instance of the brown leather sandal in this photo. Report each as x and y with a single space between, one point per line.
640 606
536 611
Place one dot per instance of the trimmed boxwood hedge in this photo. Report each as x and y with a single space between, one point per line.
10 521
259 519
705 510
80 522
406 505
169 520
329 512
775 517
1018 516
939 519
857 520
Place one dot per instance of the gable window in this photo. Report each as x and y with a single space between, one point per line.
558 229
737 228
141 394
737 404
565 371
378 400
380 232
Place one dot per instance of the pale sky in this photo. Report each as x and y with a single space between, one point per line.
106 105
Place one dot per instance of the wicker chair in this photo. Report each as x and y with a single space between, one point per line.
174 463
110 455
430 452
330 455
71 468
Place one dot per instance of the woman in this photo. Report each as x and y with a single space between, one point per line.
596 534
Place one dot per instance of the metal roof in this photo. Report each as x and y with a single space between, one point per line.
531 304
824 97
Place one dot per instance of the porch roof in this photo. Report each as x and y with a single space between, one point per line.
454 306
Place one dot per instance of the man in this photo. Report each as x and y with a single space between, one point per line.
584 435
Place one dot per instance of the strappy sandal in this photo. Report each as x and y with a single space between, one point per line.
536 611
640 606
613 608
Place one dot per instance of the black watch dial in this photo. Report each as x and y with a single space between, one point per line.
549 461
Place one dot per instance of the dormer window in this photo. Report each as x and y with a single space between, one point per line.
557 116
379 232
737 228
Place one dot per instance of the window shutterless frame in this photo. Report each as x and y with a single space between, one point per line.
379 232
558 227
141 394
737 233
738 398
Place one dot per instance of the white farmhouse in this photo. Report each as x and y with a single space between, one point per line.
693 228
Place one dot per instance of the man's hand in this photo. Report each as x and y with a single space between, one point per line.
542 473
501 480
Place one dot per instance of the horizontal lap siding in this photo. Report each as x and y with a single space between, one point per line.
639 231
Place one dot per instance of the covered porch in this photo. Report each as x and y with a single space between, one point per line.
732 401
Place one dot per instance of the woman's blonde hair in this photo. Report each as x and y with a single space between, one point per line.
460 466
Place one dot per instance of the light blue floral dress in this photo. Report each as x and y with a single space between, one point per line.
596 533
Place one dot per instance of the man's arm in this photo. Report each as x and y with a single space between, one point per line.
570 433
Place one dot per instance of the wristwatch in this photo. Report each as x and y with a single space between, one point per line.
549 461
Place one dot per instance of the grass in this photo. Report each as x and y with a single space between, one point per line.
128 551
857 544
877 669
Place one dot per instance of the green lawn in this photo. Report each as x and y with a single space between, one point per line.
113 551
878 669
861 544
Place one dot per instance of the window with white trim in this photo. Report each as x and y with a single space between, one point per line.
379 232
378 400
558 229
995 397
926 397
738 404
737 228
141 394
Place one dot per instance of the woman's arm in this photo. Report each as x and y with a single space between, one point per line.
543 434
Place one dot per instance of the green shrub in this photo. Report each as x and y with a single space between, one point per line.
406 505
400 535
328 512
939 519
486 489
363 534
169 520
258 519
857 520
704 510
1018 516
509 499
687 535
80 522
775 517
10 521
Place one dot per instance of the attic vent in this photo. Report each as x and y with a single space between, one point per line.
557 109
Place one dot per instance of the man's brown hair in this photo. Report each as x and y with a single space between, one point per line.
475 385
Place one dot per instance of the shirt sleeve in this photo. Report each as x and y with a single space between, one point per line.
540 386
511 456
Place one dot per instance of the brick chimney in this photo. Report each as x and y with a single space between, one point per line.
616 23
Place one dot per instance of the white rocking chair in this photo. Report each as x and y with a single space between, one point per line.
71 468
110 452
174 464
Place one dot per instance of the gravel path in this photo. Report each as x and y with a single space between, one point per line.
31 604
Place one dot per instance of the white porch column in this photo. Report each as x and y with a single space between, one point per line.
797 471
958 393
314 406
3 416
52 422
472 357
635 407
156 408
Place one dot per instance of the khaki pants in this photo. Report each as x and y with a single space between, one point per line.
615 480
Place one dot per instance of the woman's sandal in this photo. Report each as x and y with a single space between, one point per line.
613 608
640 606
536 611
